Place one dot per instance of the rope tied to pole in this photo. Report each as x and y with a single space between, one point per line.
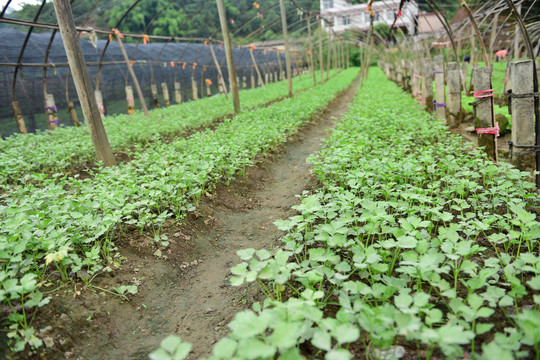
533 149
56 122
438 105
115 32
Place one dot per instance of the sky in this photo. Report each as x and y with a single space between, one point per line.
17 4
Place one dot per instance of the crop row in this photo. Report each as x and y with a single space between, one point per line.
414 244
48 152
67 223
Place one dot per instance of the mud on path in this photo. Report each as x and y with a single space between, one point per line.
188 293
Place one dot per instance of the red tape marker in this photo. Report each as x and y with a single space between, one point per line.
489 130
483 94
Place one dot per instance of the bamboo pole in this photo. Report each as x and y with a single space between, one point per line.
280 66
477 31
166 98
52 112
311 50
295 59
220 74
99 101
287 49
320 51
229 56
132 73
19 117
517 36
177 93
328 54
259 77
493 37
130 100
82 82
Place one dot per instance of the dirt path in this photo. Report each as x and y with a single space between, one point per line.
189 294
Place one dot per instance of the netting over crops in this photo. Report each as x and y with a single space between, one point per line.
154 63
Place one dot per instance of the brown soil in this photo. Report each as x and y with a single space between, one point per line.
187 291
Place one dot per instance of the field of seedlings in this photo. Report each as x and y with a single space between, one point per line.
68 222
414 244
278 180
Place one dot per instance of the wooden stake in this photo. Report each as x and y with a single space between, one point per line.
244 82
473 48
517 35
73 114
208 91
132 74
440 105
464 75
329 54
280 66
312 64
166 98
477 31
427 84
220 74
194 91
177 93
297 65
492 38
348 59
130 100
259 77
52 112
229 56
523 114
453 95
99 100
484 111
19 117
252 80
155 98
287 49
321 51
82 82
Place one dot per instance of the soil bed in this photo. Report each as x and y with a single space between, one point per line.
187 291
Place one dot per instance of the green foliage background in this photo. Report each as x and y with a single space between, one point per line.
187 18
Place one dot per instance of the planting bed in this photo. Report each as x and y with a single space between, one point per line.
414 246
64 227
32 157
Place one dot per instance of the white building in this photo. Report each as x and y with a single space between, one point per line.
343 15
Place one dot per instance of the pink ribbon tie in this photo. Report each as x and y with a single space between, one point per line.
490 130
